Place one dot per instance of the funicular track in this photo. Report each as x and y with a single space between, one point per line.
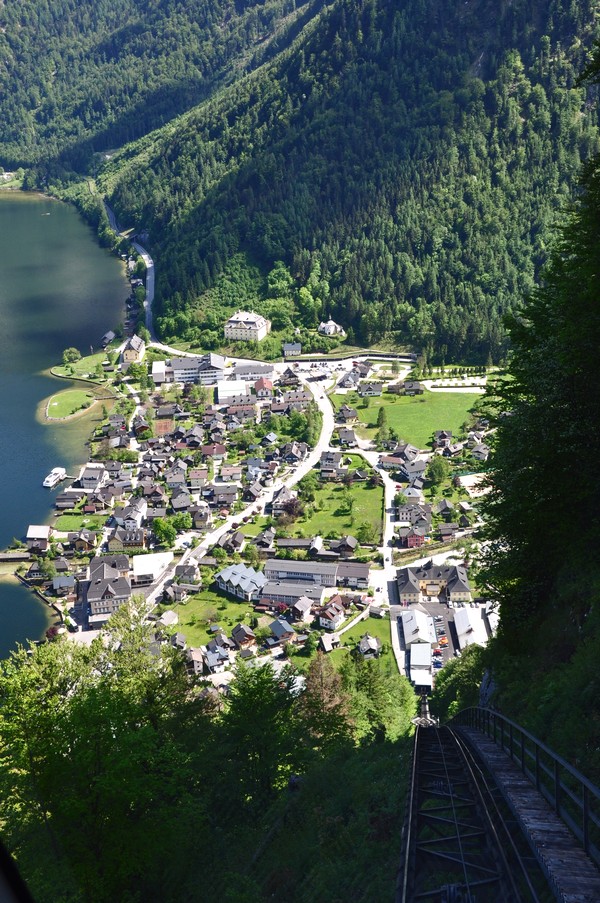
461 844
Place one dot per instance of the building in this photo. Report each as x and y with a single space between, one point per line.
106 589
291 348
253 370
417 627
205 369
146 569
335 573
246 326
330 328
447 580
470 624
233 388
241 581
134 350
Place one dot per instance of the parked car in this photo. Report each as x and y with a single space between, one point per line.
438 664
443 641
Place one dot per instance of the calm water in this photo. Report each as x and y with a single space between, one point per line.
57 288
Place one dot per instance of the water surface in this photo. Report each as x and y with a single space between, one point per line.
58 288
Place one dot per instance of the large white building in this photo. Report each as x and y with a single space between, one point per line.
205 369
246 326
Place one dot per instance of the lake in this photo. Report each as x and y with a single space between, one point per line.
58 288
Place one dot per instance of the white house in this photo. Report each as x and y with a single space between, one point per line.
470 626
148 568
417 627
246 326
330 328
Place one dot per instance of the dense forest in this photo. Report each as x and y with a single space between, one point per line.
400 165
543 517
123 779
408 160
87 76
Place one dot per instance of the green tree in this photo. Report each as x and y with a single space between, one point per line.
71 356
260 729
164 531
438 470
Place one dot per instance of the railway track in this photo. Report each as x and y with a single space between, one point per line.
461 843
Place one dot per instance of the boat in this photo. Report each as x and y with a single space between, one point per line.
54 477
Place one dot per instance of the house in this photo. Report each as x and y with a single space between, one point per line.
38 537
243 636
134 350
288 378
123 538
263 388
241 581
444 507
197 477
232 542
447 532
332 616
347 414
292 452
481 452
369 646
369 390
105 590
331 466
246 326
131 516
188 573
302 610
63 584
92 476
264 541
442 438
328 642
345 546
169 618
290 349
195 661
281 499
283 631
347 437
330 328
83 541
470 626
412 537
413 387
216 450
231 473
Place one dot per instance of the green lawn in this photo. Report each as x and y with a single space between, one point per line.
69 401
83 368
71 523
379 627
208 607
368 504
414 419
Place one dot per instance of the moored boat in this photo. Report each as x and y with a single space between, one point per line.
54 477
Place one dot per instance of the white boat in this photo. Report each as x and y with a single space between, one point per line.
54 477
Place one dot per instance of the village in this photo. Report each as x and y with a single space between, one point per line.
271 510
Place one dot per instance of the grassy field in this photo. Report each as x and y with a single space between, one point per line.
68 402
379 627
84 368
332 516
414 419
208 607
70 523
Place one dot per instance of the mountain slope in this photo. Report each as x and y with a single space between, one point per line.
92 75
413 156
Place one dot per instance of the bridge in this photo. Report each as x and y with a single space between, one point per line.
494 815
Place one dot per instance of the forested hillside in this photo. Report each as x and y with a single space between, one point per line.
400 165
544 515
122 779
89 75
408 159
